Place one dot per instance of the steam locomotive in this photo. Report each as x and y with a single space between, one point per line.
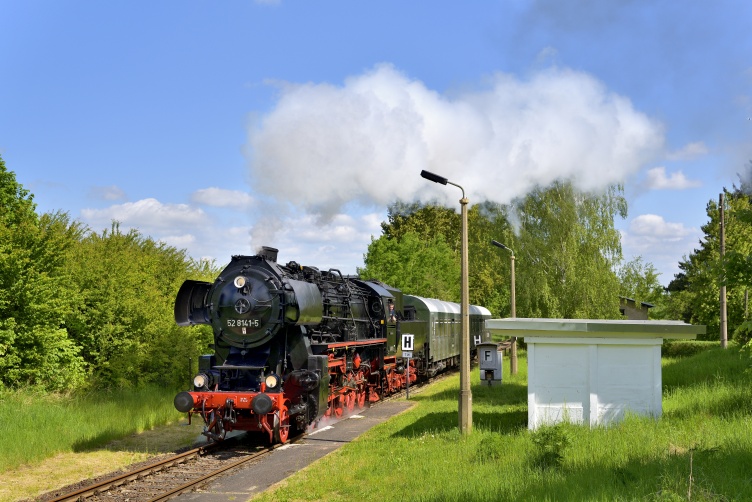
294 344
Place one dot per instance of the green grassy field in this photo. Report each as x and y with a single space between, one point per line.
35 426
701 449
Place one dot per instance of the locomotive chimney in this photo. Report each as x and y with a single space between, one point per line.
269 253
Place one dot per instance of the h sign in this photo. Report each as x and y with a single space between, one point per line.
407 342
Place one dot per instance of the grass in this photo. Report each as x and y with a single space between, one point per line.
701 449
35 426
50 441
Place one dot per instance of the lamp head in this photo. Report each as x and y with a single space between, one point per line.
433 177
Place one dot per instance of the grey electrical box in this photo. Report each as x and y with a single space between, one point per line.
490 363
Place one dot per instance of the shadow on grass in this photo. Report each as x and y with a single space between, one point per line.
160 439
504 423
504 394
96 442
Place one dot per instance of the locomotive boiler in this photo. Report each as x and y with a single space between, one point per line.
294 344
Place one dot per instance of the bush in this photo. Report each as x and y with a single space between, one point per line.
685 348
743 334
550 443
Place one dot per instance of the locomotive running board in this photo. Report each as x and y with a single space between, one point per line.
339 345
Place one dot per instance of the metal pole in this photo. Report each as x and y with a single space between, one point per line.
513 365
466 397
408 378
513 362
724 320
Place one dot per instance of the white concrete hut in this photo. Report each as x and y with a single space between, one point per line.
592 371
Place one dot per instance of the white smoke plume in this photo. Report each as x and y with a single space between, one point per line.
366 141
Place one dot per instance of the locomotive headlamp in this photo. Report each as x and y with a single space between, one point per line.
271 381
201 381
239 281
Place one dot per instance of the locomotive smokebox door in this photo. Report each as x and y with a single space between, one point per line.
490 363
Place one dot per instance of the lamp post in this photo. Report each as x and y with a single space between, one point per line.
513 365
466 396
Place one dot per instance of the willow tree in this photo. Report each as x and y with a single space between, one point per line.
565 243
568 251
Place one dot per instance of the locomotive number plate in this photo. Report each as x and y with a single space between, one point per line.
242 323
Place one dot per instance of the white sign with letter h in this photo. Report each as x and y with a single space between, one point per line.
407 342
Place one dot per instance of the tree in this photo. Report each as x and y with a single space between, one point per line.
36 293
417 266
568 251
639 281
124 322
694 292
738 263
565 243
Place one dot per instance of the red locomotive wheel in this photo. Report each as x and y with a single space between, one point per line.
361 398
350 400
337 406
281 426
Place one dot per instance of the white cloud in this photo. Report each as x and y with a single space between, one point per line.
179 241
657 180
324 146
689 151
147 215
219 197
338 243
659 242
653 226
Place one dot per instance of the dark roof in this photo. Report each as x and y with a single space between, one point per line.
644 304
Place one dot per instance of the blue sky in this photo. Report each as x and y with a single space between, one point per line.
219 127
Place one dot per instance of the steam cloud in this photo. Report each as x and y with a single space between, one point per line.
365 142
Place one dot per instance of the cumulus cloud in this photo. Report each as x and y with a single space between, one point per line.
654 226
658 241
219 197
366 141
147 215
179 241
657 179
338 243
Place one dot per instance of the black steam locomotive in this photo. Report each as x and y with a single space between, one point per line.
293 344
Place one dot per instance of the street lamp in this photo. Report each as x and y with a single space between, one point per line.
513 365
466 396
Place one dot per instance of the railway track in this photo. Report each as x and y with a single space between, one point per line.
172 476
184 472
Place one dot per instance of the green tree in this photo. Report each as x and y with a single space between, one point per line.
694 292
417 266
565 243
569 249
36 293
738 263
639 281
125 323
